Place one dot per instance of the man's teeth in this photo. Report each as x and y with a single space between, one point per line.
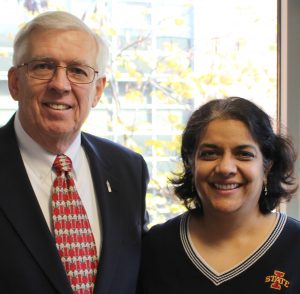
226 186
58 106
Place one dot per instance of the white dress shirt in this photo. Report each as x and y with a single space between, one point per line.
38 164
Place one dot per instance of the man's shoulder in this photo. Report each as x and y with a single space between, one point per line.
7 128
107 147
116 159
8 137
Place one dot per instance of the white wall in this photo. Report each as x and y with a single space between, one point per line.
291 81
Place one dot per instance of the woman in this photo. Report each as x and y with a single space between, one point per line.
236 172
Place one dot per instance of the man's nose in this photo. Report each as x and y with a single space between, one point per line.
60 79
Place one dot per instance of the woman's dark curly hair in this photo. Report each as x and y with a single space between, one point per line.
278 151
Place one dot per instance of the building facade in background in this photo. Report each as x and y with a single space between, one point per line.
167 58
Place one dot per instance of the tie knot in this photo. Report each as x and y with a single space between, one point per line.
62 163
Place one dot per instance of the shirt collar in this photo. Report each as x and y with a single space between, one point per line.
38 157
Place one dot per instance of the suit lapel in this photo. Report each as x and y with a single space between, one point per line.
107 192
19 204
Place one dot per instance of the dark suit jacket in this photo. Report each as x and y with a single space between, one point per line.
29 261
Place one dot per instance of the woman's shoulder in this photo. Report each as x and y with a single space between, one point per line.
167 225
164 237
167 229
290 229
292 223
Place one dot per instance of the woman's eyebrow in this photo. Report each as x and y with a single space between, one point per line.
208 145
245 146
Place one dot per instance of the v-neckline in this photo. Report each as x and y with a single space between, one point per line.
219 278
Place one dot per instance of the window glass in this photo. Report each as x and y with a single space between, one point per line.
167 58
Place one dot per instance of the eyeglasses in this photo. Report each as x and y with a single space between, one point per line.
43 70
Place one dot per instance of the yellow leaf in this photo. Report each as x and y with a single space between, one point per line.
179 21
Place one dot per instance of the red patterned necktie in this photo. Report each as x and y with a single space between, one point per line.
73 234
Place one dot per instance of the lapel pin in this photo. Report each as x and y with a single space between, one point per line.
108 186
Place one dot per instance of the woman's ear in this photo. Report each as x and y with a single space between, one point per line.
267 169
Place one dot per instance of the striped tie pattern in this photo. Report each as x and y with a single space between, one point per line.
73 235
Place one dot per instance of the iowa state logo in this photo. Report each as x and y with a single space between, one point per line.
277 280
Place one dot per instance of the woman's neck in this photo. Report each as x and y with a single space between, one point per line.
222 227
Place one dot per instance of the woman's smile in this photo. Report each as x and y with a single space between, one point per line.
229 169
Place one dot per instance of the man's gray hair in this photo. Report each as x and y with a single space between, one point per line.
60 20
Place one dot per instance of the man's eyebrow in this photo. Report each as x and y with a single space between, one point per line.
51 59
42 58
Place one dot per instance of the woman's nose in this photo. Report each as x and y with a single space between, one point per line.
226 165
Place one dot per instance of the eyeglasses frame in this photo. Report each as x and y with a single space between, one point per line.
54 72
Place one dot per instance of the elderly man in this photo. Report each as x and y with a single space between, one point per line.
72 206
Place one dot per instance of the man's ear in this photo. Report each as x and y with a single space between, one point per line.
100 85
13 83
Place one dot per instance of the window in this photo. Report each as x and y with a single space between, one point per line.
168 57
